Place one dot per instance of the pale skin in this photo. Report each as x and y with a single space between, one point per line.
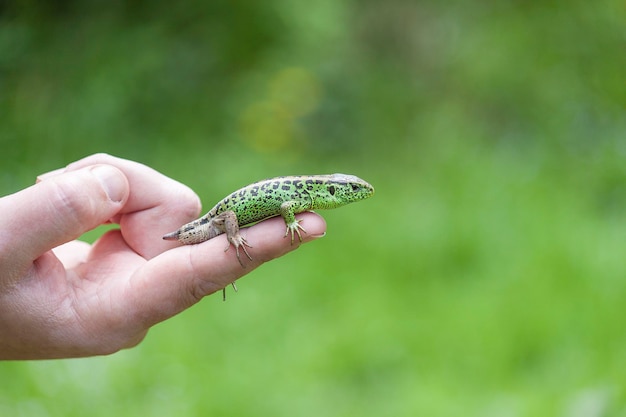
61 298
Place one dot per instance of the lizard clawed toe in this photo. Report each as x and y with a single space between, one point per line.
294 228
239 242
224 290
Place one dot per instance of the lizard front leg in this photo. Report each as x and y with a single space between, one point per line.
288 211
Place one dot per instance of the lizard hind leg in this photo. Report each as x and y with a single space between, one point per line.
227 223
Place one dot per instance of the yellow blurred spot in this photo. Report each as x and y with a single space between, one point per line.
266 125
297 89
272 123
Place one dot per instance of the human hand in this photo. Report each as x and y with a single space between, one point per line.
60 297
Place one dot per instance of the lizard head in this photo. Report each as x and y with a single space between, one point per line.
343 189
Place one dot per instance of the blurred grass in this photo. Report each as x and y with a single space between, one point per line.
486 276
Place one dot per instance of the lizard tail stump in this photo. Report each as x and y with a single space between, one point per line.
171 236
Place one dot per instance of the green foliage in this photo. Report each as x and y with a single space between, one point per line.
485 277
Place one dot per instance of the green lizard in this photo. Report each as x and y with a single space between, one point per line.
280 196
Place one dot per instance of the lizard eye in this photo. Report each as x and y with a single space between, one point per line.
331 190
355 187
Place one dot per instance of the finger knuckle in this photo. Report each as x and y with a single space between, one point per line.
71 201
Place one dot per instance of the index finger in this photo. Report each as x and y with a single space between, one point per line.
156 204
179 278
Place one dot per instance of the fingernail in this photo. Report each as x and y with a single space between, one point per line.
113 182
318 235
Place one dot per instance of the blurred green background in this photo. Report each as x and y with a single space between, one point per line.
485 278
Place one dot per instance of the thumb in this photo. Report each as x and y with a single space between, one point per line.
61 208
